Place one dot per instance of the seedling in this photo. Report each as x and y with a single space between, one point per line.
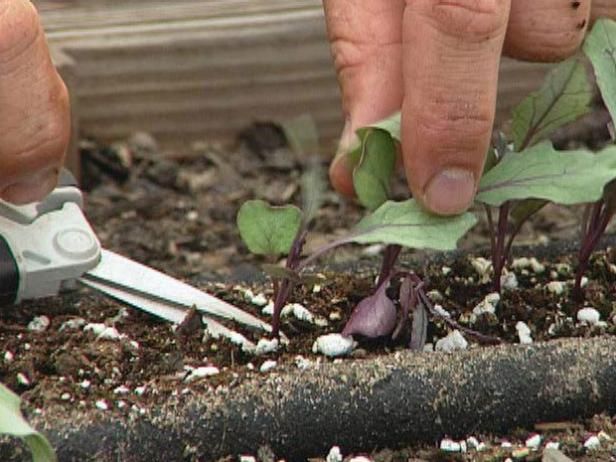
601 51
522 175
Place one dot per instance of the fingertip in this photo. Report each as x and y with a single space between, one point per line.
32 189
341 175
450 191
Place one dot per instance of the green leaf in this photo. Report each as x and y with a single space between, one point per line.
406 223
564 97
302 135
391 125
12 423
600 47
268 230
372 175
541 172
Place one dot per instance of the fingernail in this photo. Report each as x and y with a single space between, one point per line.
451 191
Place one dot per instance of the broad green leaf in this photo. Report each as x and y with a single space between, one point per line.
406 223
600 47
268 230
564 97
541 172
302 135
372 175
12 423
390 125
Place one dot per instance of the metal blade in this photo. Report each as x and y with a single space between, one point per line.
158 293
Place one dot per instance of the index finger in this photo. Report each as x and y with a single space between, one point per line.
451 55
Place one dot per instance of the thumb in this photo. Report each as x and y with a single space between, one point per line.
34 108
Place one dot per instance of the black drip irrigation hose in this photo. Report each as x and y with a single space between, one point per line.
359 405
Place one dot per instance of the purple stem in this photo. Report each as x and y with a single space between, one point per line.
499 257
599 220
284 287
390 255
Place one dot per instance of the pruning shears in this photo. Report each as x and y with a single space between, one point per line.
47 246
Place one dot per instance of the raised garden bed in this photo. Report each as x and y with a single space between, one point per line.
137 397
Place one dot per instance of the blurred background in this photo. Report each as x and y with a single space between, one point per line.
202 70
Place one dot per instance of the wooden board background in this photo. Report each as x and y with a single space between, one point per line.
188 70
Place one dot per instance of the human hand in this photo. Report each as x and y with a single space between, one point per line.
34 107
437 61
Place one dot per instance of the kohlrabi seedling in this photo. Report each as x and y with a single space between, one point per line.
275 231
600 48
522 174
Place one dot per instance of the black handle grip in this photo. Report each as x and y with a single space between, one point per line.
9 275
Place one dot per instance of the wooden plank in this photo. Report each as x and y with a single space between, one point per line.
204 69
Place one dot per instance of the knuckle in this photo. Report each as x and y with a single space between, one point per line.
475 20
454 126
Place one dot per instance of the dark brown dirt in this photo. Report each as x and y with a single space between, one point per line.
176 212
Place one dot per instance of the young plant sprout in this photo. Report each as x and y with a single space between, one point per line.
522 174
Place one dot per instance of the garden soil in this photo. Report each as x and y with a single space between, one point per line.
175 211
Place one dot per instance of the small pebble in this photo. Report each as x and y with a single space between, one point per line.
302 363
452 342
445 270
121 390
102 405
533 442
75 323
556 287
65 396
334 455
268 309
22 379
589 316
259 300
333 345
435 296
593 442
102 331
247 459
85 384
8 357
39 324
449 445
201 372
140 391
486 306
523 333
442 311
472 442
266 345
509 281
316 289
335 316
268 366
483 268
